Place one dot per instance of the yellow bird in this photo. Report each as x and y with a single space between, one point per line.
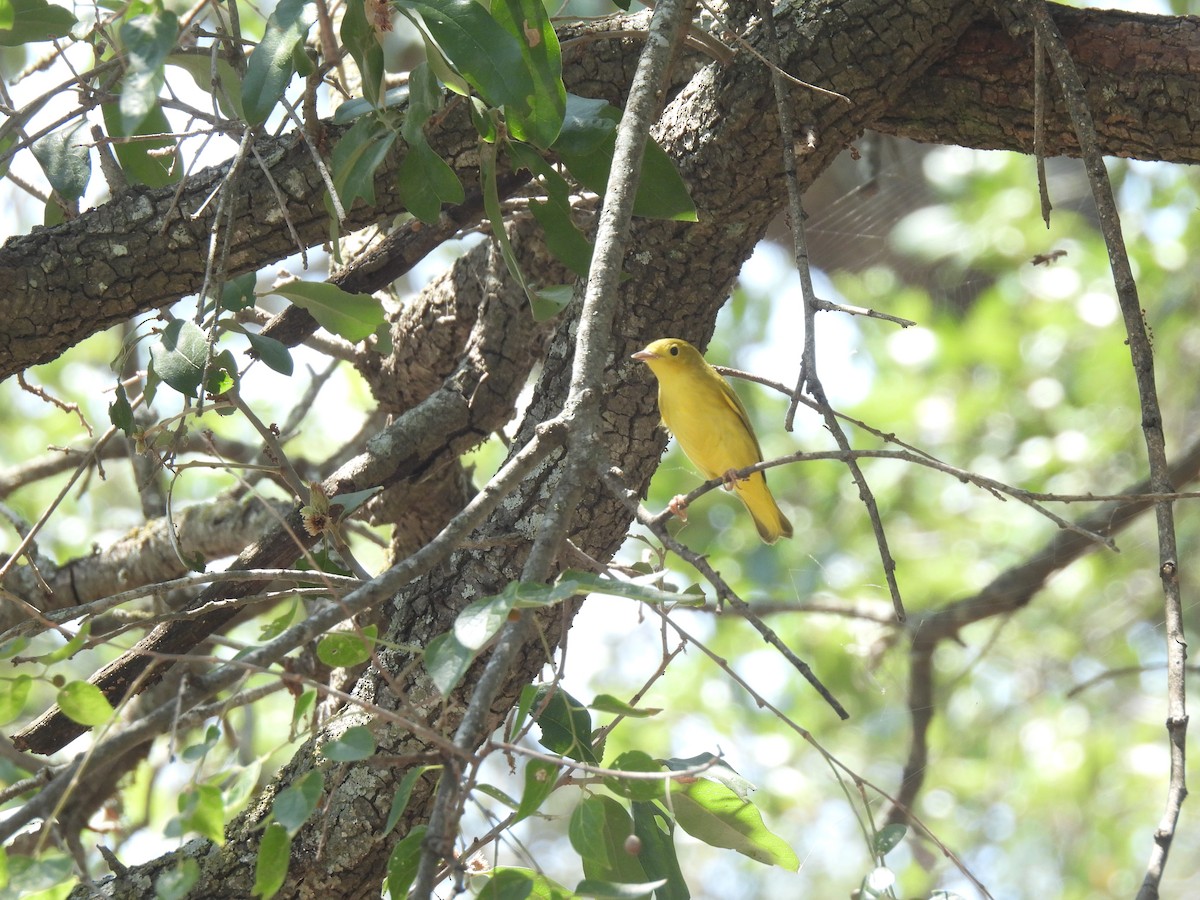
700 408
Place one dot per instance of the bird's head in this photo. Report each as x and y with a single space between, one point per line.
669 354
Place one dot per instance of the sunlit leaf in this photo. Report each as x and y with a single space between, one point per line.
343 649
352 316
84 703
13 694
203 811
176 882
712 813
529 23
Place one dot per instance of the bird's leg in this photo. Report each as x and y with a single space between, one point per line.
678 506
731 479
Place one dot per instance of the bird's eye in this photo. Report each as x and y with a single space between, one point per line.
674 349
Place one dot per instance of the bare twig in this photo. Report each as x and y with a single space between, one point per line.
1142 357
808 366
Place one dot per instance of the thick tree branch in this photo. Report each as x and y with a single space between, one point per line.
141 251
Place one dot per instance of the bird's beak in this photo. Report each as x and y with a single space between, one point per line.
643 355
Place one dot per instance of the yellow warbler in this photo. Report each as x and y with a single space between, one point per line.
710 423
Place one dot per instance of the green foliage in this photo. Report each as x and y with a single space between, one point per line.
32 21
147 40
355 744
84 703
352 316
273 62
344 648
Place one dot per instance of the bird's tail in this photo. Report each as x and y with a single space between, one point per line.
769 519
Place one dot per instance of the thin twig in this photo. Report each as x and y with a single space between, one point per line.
1142 356
808 366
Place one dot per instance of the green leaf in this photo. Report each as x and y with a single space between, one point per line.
568 244
402 864
197 752
228 86
352 109
120 413
148 40
600 835
357 157
302 705
13 694
426 181
565 723
447 661
13 646
586 146
238 293
343 649
542 309
400 798
541 778
222 375
356 743
610 704
294 804
510 883
176 882
270 869
70 648
84 703
203 811
481 620
888 837
655 832
636 788
498 795
352 316
579 583
487 56
179 356
31 21
144 162
362 42
272 63
528 22
563 239
586 831
272 352
717 770
65 160
713 813
278 625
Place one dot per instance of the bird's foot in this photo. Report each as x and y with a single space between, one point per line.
678 506
731 479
